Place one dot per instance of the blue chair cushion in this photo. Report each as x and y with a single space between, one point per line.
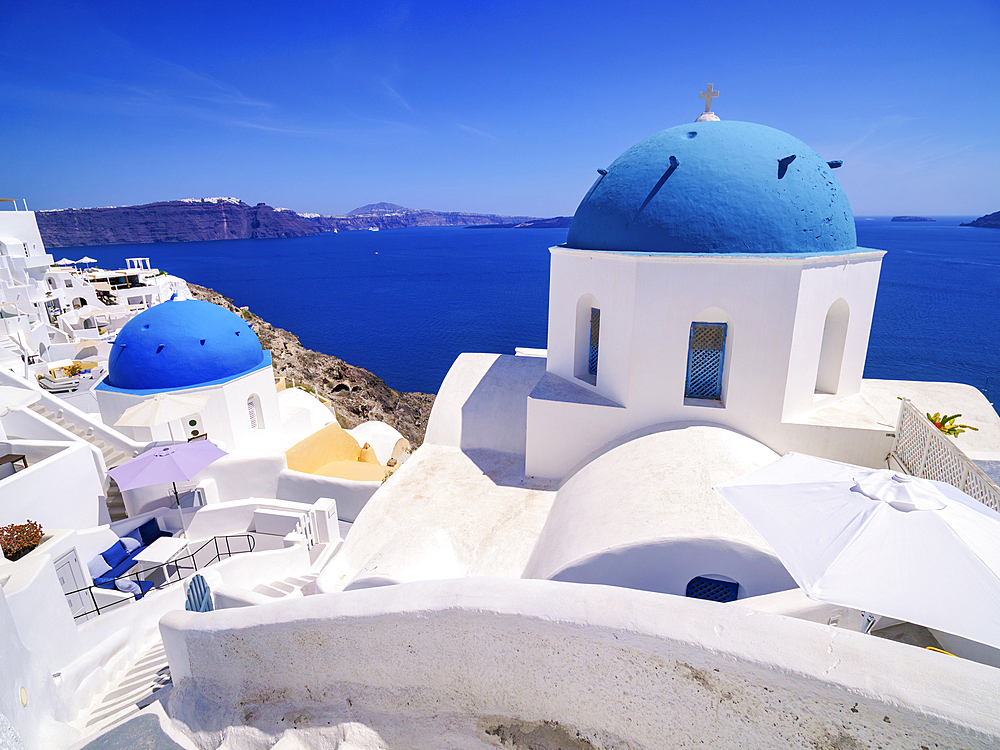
145 586
149 532
107 581
135 534
114 555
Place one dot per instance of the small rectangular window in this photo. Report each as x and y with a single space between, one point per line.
595 336
706 351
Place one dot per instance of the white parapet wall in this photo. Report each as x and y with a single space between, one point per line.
519 662
60 488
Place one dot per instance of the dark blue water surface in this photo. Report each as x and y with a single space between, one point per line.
404 303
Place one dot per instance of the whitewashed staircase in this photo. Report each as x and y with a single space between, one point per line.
9 344
293 586
137 686
112 456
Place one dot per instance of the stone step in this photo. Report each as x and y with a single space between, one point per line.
267 590
126 695
114 459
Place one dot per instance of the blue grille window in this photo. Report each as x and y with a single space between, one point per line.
595 339
712 589
706 352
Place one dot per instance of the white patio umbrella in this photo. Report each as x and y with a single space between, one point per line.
899 546
65 262
160 409
87 260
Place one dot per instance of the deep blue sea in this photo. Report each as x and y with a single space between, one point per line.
404 303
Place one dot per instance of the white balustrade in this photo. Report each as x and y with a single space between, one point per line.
922 450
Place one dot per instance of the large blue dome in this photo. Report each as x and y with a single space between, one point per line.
716 187
180 344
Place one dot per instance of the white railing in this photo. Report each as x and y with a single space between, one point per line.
922 450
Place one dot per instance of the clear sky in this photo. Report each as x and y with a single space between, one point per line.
487 107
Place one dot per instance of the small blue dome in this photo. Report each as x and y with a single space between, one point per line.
717 187
180 344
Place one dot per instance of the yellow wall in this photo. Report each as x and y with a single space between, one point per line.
329 444
332 452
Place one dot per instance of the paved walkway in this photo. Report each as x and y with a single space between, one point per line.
139 733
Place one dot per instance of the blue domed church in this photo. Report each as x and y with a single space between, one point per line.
191 347
711 275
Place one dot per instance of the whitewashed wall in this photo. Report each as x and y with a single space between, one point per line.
225 417
482 403
61 488
35 723
775 307
477 659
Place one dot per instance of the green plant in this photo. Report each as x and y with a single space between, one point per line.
18 539
947 424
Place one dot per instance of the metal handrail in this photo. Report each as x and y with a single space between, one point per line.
181 569
922 450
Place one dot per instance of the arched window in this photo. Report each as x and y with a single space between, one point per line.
51 282
588 338
253 408
79 302
831 353
706 357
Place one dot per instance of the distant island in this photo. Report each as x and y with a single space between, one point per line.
197 219
557 222
912 218
990 221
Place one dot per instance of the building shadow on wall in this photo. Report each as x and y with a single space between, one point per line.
494 419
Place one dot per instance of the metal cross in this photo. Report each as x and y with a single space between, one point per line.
708 95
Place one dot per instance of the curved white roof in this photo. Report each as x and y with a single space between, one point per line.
654 488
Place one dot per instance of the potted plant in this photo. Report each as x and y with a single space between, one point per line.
947 424
18 539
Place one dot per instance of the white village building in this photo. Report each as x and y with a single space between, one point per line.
552 568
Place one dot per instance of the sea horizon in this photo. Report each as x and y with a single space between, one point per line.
404 303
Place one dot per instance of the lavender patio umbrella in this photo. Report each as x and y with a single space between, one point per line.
168 463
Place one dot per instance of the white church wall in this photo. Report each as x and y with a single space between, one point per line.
603 279
225 417
258 385
760 298
854 281
592 664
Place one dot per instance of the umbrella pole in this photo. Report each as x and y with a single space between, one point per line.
180 511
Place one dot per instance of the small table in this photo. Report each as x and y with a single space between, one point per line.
162 551
13 458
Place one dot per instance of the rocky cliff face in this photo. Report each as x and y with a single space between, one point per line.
990 221
357 395
229 219
170 221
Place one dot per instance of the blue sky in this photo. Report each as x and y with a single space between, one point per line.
487 107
